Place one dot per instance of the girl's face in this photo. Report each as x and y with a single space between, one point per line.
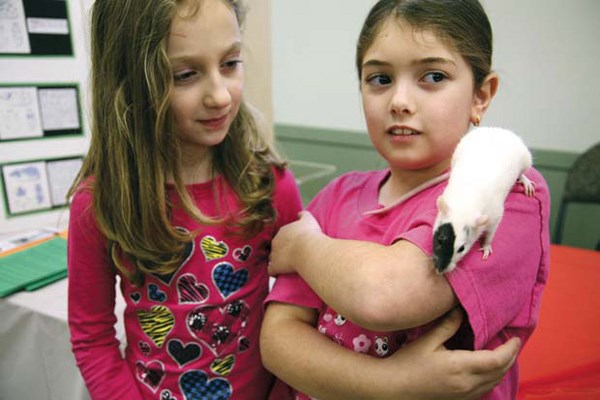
418 98
205 53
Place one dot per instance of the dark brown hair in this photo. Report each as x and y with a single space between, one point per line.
462 24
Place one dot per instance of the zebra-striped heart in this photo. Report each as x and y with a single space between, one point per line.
212 248
190 291
156 323
223 366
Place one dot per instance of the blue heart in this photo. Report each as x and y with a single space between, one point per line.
196 386
227 280
155 294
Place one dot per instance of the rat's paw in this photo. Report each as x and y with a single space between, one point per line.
487 251
528 185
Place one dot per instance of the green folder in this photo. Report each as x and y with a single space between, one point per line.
33 267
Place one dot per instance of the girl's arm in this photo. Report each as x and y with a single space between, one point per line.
91 309
294 351
378 287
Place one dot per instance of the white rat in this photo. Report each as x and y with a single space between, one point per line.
485 166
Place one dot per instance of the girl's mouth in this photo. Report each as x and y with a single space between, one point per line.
214 123
402 132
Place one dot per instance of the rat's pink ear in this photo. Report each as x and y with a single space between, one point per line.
481 220
442 206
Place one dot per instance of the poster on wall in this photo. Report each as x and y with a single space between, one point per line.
26 187
28 112
13 29
35 27
60 109
61 174
38 185
19 113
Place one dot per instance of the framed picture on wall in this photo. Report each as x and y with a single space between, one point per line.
26 187
38 185
28 112
61 174
35 27
59 107
19 113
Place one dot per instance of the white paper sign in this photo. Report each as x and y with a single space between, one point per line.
59 109
26 187
61 175
19 113
13 31
48 26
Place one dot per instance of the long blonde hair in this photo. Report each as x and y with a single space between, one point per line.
134 144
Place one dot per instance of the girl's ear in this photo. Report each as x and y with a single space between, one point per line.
483 96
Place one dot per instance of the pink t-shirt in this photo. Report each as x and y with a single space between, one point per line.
191 335
501 295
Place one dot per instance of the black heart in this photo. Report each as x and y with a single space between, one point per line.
135 297
188 252
181 353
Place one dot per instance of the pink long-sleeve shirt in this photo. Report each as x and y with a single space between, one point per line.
501 295
191 335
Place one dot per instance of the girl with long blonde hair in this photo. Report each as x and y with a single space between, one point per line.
180 195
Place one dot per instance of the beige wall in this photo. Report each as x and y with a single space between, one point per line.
258 58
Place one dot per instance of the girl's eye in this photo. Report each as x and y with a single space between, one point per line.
379 80
184 76
232 64
434 77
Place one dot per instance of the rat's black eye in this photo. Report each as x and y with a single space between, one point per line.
461 248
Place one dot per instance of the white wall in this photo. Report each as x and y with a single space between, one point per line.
314 79
546 52
35 70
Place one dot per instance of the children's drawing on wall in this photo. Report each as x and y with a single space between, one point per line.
26 187
59 108
34 27
13 31
39 185
31 112
19 113
61 174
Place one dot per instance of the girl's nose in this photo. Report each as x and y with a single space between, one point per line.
217 93
402 102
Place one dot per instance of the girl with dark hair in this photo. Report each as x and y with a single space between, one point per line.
369 289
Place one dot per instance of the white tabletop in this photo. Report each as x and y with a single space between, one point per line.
36 361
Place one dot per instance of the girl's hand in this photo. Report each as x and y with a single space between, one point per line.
289 241
453 374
